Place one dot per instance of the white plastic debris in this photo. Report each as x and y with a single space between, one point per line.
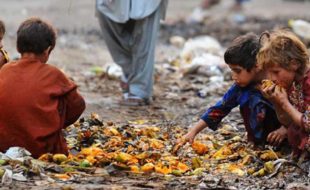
206 65
200 45
177 41
17 153
198 15
19 177
114 71
7 177
301 28
208 59
239 18
209 89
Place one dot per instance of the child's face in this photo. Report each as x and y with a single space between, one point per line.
281 76
241 76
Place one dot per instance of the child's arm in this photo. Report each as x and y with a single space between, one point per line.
282 116
190 136
298 118
215 114
292 112
286 112
71 103
75 106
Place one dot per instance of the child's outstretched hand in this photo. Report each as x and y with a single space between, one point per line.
189 137
276 137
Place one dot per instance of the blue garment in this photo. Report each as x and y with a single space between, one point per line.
241 1
121 11
258 114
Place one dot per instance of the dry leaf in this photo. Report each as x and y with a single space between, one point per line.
199 148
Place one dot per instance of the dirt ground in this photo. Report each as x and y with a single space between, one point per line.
80 48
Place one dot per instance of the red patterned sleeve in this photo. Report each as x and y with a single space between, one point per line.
306 96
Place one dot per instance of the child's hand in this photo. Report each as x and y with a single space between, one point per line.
276 137
4 58
191 134
276 94
267 90
280 96
189 137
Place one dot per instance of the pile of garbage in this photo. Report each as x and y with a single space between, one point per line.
142 147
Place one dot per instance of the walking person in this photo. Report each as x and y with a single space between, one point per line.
130 29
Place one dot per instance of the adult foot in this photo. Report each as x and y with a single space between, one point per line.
131 100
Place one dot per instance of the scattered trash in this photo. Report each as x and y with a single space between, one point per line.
206 65
197 46
177 41
7 177
16 153
97 70
19 177
239 18
198 15
114 71
300 27
143 148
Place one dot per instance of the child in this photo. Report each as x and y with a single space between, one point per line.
258 114
286 61
37 100
4 58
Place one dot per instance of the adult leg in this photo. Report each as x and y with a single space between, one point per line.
145 34
117 37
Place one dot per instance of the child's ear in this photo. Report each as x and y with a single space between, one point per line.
49 49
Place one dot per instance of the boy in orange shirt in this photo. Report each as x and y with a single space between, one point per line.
37 100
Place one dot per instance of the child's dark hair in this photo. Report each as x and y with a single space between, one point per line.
35 35
2 27
243 51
